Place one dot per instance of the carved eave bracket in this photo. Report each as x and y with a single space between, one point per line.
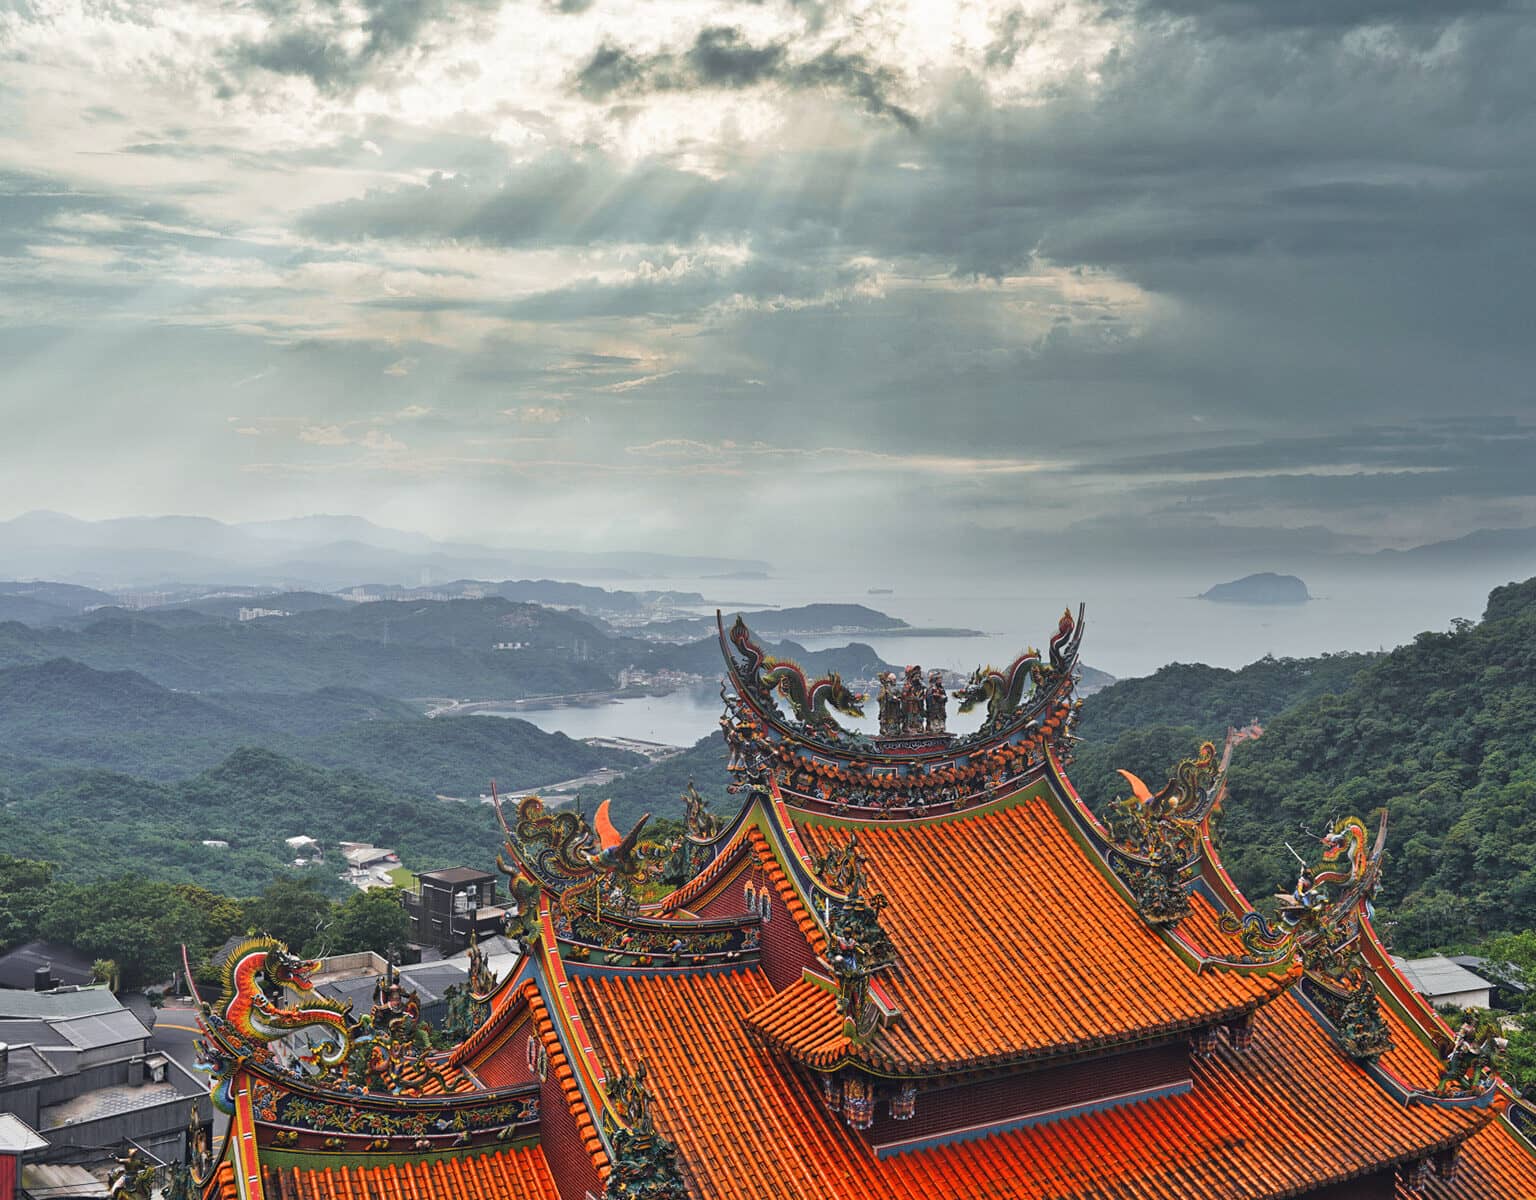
1322 933
858 945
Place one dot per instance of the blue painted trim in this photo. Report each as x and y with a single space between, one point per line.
973 1132
1202 888
591 969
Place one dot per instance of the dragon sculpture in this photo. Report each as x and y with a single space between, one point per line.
1004 690
1309 917
811 702
576 862
1155 834
258 973
1321 931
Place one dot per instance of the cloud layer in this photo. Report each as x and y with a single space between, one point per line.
1133 276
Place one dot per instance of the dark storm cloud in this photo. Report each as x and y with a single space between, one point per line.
723 57
1502 447
1251 15
320 42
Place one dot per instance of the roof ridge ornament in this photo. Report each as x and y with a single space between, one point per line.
860 945
560 853
644 1162
1155 836
810 701
1321 932
690 854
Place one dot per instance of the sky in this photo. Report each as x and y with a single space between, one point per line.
789 278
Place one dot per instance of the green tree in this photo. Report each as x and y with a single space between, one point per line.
139 923
372 920
295 911
25 884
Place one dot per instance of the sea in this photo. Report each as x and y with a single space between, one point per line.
1134 625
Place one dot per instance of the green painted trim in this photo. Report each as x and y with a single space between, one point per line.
319 1160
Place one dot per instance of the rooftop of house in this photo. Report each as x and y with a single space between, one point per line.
57 1005
452 875
1436 975
60 1181
108 1102
18 967
17 1137
25 1065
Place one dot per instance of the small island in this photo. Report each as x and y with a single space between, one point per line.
1266 587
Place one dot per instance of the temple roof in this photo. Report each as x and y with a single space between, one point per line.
521 1173
1011 943
1494 1162
1287 1114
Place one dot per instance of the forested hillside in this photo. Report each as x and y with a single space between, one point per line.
97 824
657 789
1441 732
62 712
402 649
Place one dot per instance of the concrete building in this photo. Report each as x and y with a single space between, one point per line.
78 1069
447 905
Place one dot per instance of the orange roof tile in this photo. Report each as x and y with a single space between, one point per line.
1285 1115
1011 943
560 1064
804 1021
1495 1164
520 1173
221 1184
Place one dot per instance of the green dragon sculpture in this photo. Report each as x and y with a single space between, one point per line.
1004 690
812 702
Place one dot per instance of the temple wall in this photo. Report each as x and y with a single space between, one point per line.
785 952
969 1110
569 1162
507 1064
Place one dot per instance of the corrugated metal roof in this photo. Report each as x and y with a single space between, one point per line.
57 1006
60 1181
1437 975
28 1066
109 1029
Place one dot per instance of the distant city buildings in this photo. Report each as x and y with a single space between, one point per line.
253 614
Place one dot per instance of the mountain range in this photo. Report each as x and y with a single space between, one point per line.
316 552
